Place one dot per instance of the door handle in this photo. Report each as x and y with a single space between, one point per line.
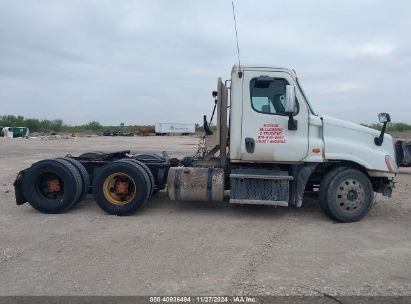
249 144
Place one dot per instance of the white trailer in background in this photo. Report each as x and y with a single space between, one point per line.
164 128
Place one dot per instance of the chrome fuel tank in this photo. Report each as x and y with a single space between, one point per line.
195 184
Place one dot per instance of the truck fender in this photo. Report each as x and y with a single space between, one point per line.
301 175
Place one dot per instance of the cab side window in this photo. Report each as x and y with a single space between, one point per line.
268 95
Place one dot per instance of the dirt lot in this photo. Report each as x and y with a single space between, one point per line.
194 248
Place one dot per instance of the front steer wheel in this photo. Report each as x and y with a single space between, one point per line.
348 195
121 188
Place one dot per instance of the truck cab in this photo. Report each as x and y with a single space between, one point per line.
260 129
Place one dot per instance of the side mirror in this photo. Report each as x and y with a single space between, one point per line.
383 118
289 99
289 107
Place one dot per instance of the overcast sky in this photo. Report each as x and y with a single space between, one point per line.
141 62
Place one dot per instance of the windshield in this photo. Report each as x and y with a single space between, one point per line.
305 97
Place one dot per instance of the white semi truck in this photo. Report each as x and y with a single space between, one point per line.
269 148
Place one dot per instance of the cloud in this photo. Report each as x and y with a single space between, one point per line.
373 50
140 62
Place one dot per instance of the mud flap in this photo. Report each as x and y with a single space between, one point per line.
301 175
18 188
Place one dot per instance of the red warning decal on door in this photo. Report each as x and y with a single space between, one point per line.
271 134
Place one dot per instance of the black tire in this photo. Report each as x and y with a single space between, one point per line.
349 196
45 171
146 169
151 156
85 177
323 188
138 185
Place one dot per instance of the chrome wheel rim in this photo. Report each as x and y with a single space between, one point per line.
350 195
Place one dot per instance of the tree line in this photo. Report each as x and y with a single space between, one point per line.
58 125
391 127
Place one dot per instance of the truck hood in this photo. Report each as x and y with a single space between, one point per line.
344 140
350 125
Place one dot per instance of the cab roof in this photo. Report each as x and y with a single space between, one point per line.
263 67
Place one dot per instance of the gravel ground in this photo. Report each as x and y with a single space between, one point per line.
176 248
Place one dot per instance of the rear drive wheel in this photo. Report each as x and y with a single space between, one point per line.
146 169
52 185
84 177
150 157
349 196
121 188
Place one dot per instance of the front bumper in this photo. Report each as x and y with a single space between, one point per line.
385 186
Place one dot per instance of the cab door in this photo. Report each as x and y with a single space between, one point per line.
265 133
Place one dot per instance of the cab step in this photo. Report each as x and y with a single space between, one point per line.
258 202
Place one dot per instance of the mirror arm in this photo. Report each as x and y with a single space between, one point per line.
292 123
206 127
212 114
379 140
